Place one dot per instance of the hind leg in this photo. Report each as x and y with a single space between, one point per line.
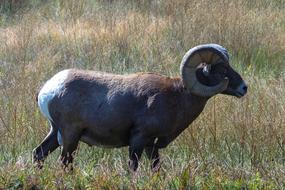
70 140
48 145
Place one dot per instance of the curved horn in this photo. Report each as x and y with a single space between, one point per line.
209 54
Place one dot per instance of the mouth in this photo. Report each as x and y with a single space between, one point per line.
240 91
235 93
239 94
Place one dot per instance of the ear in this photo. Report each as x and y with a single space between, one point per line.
206 70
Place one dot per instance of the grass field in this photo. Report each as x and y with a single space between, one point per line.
234 144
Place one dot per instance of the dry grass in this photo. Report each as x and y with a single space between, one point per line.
235 143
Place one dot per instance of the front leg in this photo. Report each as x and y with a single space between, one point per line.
153 155
137 143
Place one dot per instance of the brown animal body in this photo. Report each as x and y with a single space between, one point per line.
144 111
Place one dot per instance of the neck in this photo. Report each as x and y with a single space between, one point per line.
188 108
179 87
192 104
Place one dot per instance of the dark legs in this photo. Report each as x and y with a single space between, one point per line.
153 155
48 145
136 147
137 144
70 141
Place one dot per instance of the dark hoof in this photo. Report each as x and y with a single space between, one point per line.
67 167
156 165
133 166
38 164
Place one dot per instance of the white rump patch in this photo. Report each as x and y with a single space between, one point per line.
50 89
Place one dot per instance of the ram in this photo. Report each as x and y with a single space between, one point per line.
145 111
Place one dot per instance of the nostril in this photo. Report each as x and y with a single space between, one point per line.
245 88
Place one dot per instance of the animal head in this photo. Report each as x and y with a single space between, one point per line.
206 71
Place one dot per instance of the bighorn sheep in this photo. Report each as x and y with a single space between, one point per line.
144 111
